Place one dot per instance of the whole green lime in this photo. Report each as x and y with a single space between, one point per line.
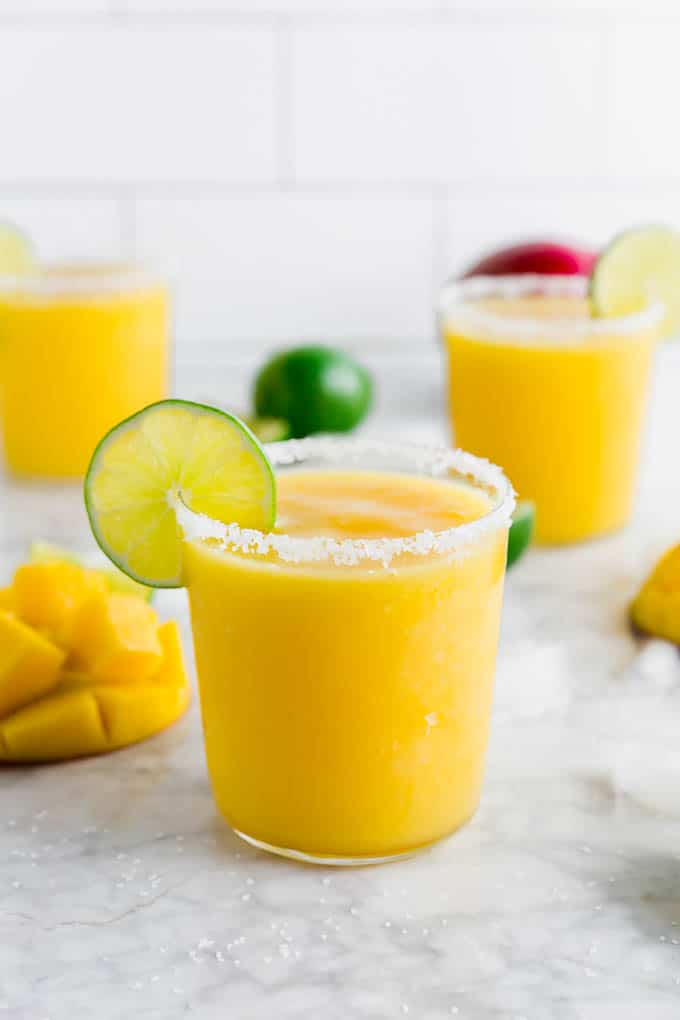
315 389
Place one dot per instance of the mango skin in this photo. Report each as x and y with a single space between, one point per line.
656 608
29 664
83 716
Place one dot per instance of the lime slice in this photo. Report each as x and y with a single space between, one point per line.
16 252
174 450
639 266
521 530
269 430
47 552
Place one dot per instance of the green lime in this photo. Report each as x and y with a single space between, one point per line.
16 252
45 552
521 530
170 451
269 430
316 389
639 266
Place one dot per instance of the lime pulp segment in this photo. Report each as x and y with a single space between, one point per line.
169 451
639 267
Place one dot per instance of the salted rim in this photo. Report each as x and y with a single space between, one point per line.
83 276
455 308
433 462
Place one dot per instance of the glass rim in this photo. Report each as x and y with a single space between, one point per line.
455 309
86 275
431 461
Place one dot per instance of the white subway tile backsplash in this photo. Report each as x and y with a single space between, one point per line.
644 87
132 104
478 225
275 269
446 103
67 227
315 165
338 9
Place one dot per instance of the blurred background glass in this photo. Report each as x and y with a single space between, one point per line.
313 169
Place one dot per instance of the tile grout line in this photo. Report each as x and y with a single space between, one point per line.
434 16
192 188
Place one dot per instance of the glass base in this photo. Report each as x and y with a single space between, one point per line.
332 862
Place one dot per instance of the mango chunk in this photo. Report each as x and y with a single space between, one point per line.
75 723
7 600
48 595
29 664
63 725
172 671
656 609
134 713
115 638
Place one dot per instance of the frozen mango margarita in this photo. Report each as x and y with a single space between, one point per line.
345 601
551 393
82 345
346 659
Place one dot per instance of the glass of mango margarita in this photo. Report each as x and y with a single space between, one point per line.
555 396
82 345
346 658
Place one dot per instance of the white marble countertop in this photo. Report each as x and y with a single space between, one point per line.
123 896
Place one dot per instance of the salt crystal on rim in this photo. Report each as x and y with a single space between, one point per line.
410 458
457 310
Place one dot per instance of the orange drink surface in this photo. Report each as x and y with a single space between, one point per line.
346 700
555 397
81 348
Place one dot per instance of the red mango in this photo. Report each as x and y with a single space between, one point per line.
544 257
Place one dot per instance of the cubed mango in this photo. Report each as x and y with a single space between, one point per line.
67 724
29 664
134 713
656 609
115 638
84 715
48 595
7 600
172 671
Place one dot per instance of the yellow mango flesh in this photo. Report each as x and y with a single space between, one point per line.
83 670
83 716
48 596
172 670
63 725
656 609
115 638
29 664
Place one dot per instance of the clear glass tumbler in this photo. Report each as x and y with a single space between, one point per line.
346 683
82 346
552 394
